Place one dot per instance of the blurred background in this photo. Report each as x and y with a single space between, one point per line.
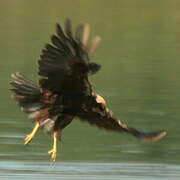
140 79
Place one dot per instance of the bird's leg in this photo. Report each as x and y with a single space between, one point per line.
53 151
29 137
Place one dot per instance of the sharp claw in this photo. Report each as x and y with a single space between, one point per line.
53 154
28 138
53 151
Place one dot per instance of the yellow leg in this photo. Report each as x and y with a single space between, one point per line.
53 151
29 137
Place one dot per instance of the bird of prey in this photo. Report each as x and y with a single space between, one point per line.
64 92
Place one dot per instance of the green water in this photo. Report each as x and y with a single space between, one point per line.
140 79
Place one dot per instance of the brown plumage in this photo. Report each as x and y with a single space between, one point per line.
64 91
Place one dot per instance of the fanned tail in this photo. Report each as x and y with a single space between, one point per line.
26 93
29 97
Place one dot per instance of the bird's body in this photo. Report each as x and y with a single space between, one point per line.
64 91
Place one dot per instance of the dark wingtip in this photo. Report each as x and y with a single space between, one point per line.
152 137
147 137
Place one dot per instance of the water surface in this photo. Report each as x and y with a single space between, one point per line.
88 170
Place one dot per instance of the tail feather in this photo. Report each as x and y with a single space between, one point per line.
26 93
147 137
21 79
29 97
22 92
28 108
24 87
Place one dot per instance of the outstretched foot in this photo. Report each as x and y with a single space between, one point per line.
53 153
30 136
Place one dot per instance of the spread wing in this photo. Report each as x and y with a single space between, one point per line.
65 65
107 122
110 123
97 113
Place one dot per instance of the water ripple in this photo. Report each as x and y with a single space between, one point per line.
87 170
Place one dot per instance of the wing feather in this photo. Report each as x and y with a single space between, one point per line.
57 43
106 122
66 60
110 123
68 28
79 33
85 35
60 33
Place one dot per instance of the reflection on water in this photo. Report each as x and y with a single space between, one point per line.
92 171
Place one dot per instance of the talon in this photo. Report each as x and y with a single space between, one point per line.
53 151
53 154
30 136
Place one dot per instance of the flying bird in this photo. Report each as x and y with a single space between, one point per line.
64 91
